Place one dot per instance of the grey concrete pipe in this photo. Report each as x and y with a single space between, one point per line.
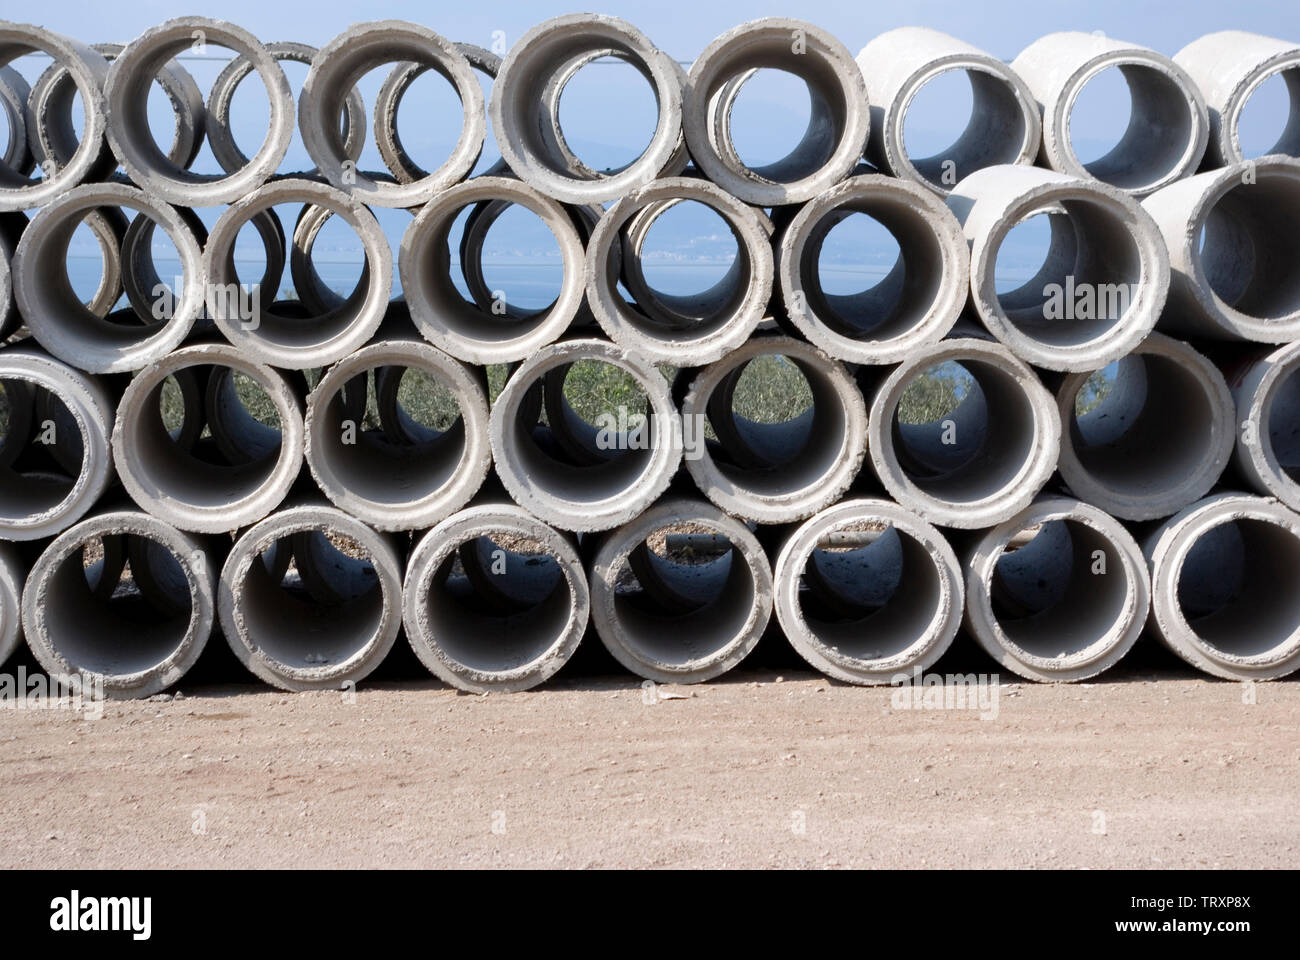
631 467
1223 591
775 472
13 574
88 71
1156 440
279 339
1004 124
71 460
1228 67
137 640
837 129
525 102
1234 265
222 139
914 305
185 488
1267 399
1168 125
719 325
126 94
467 330
293 640
406 475
866 614
14 91
12 226
1103 281
1058 593
680 618
495 599
333 75
64 325
988 456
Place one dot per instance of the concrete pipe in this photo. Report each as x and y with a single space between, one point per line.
63 324
334 72
277 338
136 641
407 475
914 305
775 472
1229 232
495 600
525 103
222 138
1104 278
88 70
866 614
40 499
635 465
1152 438
837 128
126 93
296 642
982 460
1168 124
14 91
1004 124
52 100
719 326
185 488
1228 67
1267 398
1058 593
680 618
1223 591
389 101
12 226
466 330
13 574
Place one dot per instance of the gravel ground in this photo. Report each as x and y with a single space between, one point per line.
1156 769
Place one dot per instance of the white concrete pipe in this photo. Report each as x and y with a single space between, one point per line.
1267 398
405 476
495 600
292 640
138 641
775 472
1228 67
65 326
717 327
988 456
126 94
1223 591
837 129
865 614
466 330
184 488
334 72
13 574
680 618
525 103
1103 281
1168 125
275 337
88 71
914 305
1058 593
1229 234
1003 127
40 500
633 466
1157 439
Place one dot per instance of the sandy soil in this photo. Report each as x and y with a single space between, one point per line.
1150 771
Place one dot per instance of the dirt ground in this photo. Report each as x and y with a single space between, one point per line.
1149 770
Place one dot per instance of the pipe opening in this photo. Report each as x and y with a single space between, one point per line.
1236 587
1269 120
585 96
687 256
42 454
1282 424
1058 588
767 107
993 133
1245 250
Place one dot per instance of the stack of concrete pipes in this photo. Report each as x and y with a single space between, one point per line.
1054 537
